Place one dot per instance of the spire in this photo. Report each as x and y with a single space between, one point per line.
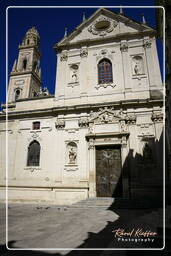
84 16
121 10
65 34
143 18
31 38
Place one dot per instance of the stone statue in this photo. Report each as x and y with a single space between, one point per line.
136 69
72 156
74 76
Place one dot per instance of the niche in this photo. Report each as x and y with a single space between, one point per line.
72 153
137 65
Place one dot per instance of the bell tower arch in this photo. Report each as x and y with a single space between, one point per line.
25 78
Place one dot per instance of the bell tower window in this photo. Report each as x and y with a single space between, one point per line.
24 64
105 71
17 94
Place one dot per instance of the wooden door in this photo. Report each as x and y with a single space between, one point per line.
108 170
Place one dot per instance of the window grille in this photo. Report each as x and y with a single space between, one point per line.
33 154
105 71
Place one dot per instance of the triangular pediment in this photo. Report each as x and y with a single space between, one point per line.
102 24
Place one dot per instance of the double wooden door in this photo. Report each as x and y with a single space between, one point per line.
108 171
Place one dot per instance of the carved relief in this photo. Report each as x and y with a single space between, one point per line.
130 119
105 85
124 47
60 123
104 51
147 43
102 26
83 122
157 117
64 56
123 126
104 115
84 52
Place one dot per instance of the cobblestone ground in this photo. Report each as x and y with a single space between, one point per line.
35 226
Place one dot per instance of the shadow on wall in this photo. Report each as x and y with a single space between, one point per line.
143 177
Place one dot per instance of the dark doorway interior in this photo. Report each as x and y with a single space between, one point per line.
108 171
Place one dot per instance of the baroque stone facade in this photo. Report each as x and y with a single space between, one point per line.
107 114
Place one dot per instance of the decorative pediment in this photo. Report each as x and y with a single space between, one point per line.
104 116
103 23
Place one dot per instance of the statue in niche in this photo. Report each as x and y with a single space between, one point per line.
72 155
137 65
74 73
74 76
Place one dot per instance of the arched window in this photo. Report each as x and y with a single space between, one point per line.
33 157
24 64
17 94
105 71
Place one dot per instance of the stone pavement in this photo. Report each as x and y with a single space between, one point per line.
37 226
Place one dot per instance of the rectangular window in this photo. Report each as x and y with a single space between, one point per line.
36 125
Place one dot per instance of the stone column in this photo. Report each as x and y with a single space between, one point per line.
92 169
83 75
125 61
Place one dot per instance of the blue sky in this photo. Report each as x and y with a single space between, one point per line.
51 22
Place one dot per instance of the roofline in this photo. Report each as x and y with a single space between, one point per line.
119 37
94 14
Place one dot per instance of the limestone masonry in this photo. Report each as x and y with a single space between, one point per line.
100 135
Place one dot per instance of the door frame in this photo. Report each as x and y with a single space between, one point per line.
113 146
108 139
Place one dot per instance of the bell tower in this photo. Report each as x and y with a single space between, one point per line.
25 78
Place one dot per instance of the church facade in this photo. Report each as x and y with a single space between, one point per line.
100 135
